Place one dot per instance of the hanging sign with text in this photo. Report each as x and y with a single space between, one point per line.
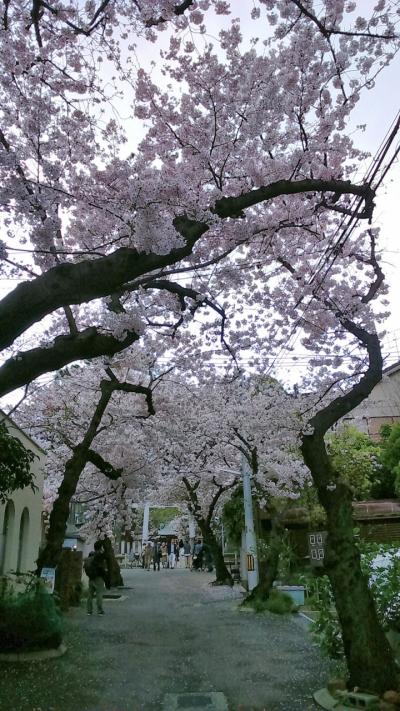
250 562
316 547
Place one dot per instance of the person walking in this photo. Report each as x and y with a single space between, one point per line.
173 553
95 567
181 550
198 555
156 556
164 554
187 553
148 555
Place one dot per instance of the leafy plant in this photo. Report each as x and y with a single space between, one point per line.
278 603
287 558
15 464
391 452
325 629
30 620
382 565
358 461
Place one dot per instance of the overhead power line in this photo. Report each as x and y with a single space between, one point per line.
374 178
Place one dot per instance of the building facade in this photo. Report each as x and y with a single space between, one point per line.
382 407
21 516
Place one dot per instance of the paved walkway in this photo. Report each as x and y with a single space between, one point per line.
172 634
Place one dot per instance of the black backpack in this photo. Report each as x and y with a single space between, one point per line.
91 568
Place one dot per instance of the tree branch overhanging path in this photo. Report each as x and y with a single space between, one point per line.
68 284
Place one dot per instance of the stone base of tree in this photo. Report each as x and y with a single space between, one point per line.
336 698
69 578
38 655
227 581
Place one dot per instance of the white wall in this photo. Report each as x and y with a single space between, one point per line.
21 518
381 407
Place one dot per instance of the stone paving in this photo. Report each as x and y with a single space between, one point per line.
173 635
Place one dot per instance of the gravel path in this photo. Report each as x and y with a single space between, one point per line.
173 633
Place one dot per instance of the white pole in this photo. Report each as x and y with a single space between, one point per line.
146 520
192 526
250 536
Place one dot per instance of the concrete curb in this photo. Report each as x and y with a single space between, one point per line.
306 617
36 656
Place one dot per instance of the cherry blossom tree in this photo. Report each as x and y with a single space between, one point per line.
199 434
83 423
240 199
246 148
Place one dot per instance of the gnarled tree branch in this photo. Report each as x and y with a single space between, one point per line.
103 466
90 343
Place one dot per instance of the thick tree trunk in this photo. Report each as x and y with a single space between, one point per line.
369 657
268 569
114 571
50 554
82 454
204 523
223 576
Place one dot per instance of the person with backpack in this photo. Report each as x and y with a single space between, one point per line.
197 555
95 567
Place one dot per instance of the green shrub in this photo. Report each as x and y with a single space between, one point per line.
29 621
325 629
279 603
381 565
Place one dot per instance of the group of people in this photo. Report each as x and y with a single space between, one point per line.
155 553
176 553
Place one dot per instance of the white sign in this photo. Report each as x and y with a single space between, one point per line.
48 575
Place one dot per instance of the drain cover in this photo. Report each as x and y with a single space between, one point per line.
188 702
213 701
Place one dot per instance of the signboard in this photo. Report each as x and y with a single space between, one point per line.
48 575
316 547
250 562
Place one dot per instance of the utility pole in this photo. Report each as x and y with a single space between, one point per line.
146 520
250 536
192 527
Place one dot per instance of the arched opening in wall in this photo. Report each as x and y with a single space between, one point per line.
23 542
6 537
